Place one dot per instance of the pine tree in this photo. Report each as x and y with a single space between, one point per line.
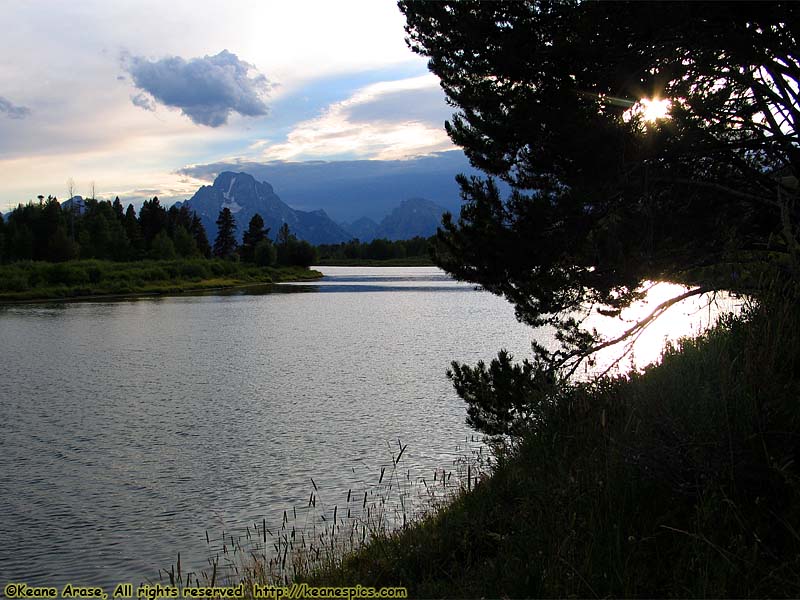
252 237
118 210
152 219
134 232
200 237
284 235
225 244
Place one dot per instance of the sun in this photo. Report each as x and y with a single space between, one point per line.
648 111
655 109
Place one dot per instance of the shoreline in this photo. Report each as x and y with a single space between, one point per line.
171 289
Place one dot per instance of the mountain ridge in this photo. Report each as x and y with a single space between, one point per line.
244 196
413 217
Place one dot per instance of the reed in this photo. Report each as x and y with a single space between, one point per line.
317 536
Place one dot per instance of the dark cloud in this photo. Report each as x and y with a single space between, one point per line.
143 101
12 111
206 89
424 105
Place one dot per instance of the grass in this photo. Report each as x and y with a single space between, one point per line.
32 281
318 534
679 480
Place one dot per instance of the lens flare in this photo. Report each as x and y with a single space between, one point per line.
654 109
648 110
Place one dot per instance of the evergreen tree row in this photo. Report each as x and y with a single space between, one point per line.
101 229
378 249
257 247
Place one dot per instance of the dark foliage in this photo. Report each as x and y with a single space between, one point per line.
603 200
378 249
255 234
291 251
47 231
225 244
200 238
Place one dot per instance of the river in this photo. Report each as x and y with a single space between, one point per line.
132 428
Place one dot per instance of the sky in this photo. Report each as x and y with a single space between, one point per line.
140 97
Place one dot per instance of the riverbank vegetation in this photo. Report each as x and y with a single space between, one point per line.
37 280
87 248
415 252
99 229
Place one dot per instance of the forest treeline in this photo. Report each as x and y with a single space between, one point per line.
101 229
54 232
378 250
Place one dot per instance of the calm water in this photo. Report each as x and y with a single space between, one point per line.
131 428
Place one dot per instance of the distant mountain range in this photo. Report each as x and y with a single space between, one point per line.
414 217
245 196
350 189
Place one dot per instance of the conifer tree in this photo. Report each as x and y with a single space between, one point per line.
200 237
225 244
252 237
133 232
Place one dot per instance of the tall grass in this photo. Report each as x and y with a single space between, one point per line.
317 535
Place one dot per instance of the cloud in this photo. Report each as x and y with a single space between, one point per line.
386 120
143 101
13 111
206 89
415 105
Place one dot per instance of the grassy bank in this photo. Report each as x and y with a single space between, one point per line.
678 481
30 281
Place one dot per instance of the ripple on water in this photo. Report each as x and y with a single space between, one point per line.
131 428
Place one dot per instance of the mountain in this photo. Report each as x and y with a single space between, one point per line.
245 197
364 229
414 217
351 189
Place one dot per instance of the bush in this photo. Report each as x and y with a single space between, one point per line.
14 282
155 274
66 274
95 274
193 270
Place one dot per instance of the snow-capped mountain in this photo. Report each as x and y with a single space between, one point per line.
245 197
